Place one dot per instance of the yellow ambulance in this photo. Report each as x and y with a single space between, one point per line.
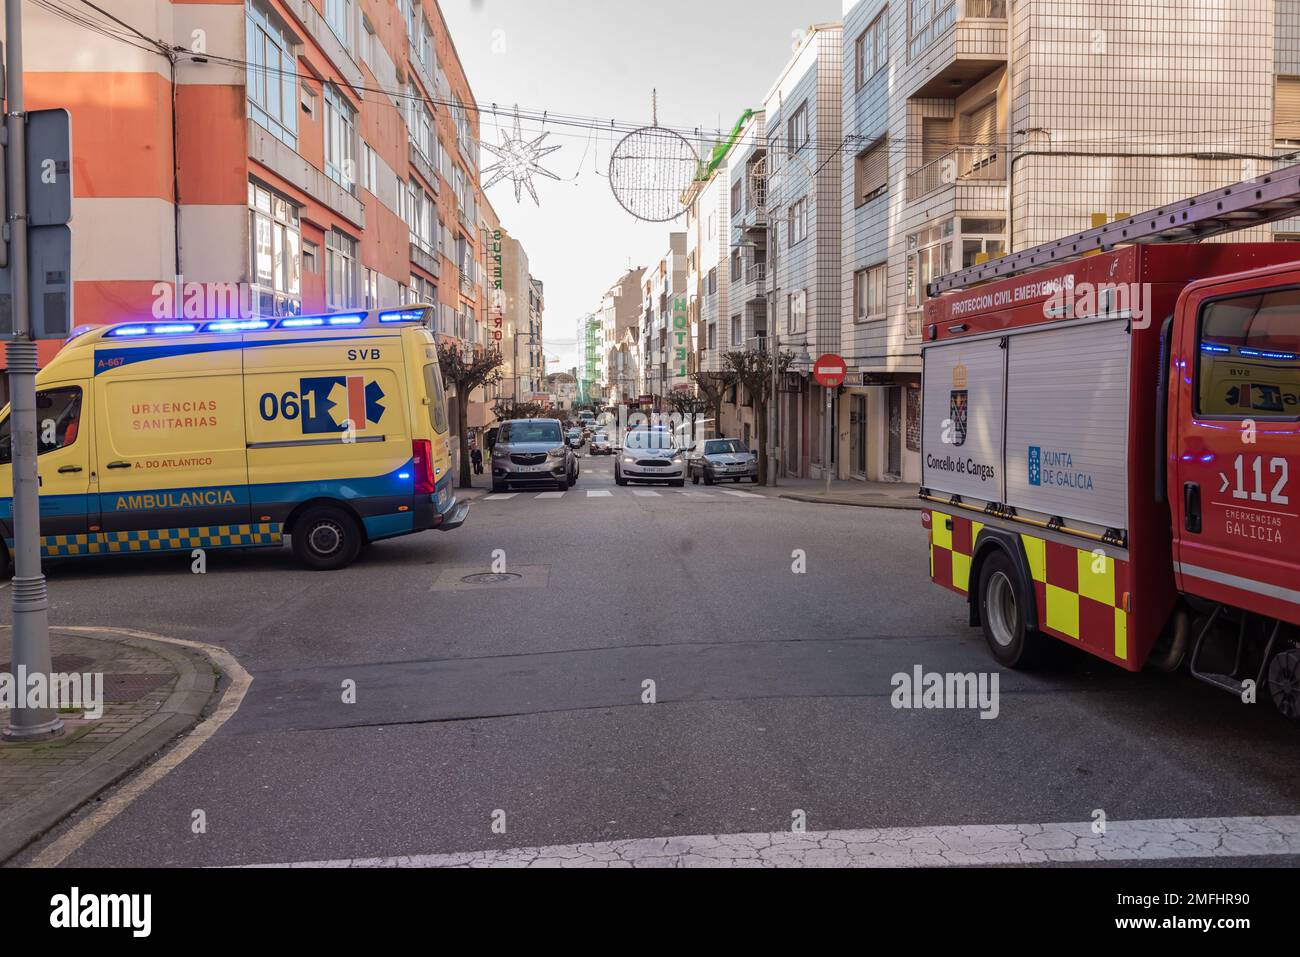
171 436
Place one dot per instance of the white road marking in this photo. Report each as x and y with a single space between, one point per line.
646 493
81 832
501 497
599 493
550 495
959 846
736 492
696 494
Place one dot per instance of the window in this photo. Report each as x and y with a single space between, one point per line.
736 330
979 130
275 251
337 15
272 74
737 196
871 173
798 221
369 167
61 406
1286 109
713 335
929 256
340 139
928 19
310 257
981 240
797 129
308 99
1248 360
736 266
340 270
869 286
713 281
796 311
372 289
871 52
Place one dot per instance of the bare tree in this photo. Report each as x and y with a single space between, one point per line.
752 371
466 371
507 408
713 387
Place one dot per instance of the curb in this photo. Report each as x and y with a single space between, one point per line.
902 505
197 679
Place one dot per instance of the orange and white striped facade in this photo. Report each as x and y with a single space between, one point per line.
314 153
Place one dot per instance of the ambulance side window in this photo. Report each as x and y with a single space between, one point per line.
58 420
1248 356
437 398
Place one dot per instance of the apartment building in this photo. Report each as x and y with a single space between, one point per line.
536 357
620 321
298 156
800 183
591 342
665 356
974 127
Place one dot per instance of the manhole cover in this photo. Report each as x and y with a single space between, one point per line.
491 578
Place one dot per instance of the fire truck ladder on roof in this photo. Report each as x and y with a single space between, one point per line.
1252 202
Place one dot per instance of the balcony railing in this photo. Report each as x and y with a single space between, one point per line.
961 164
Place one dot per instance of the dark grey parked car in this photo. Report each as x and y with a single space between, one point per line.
723 459
532 452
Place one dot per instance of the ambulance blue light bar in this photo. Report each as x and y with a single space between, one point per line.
403 315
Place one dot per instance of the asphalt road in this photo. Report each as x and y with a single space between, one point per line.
772 691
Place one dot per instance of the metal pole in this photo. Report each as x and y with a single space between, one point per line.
830 434
31 629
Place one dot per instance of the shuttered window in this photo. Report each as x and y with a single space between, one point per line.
1286 108
979 128
872 172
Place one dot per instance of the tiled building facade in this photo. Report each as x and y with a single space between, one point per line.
973 127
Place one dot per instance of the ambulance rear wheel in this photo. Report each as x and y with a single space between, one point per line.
1284 683
326 538
1002 613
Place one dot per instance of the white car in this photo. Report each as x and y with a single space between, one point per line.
650 455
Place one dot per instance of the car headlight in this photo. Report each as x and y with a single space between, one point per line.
628 460
677 458
556 453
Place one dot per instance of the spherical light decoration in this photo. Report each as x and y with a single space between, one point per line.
650 170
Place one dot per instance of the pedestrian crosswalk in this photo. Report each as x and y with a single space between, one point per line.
712 493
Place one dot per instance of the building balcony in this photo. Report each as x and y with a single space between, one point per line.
466 285
266 148
965 51
426 261
964 164
423 167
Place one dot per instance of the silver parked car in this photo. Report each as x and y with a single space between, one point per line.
531 452
723 459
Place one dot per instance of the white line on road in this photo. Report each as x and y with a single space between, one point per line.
502 496
730 491
599 493
646 493
550 495
120 800
968 845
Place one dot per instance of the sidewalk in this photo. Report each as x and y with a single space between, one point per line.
847 492
152 692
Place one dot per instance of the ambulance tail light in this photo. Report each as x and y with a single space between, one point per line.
422 453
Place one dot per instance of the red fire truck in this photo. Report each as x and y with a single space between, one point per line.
1111 444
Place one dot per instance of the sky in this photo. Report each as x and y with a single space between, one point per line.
708 60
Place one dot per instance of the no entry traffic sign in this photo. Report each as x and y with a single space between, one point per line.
830 371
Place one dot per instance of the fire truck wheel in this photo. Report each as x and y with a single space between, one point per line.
1284 682
1002 613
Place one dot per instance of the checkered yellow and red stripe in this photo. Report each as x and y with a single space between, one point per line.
1080 592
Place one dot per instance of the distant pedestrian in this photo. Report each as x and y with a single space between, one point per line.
476 458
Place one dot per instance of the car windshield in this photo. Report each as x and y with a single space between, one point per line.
723 446
517 433
650 440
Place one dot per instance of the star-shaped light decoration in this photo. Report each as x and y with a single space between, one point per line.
519 161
